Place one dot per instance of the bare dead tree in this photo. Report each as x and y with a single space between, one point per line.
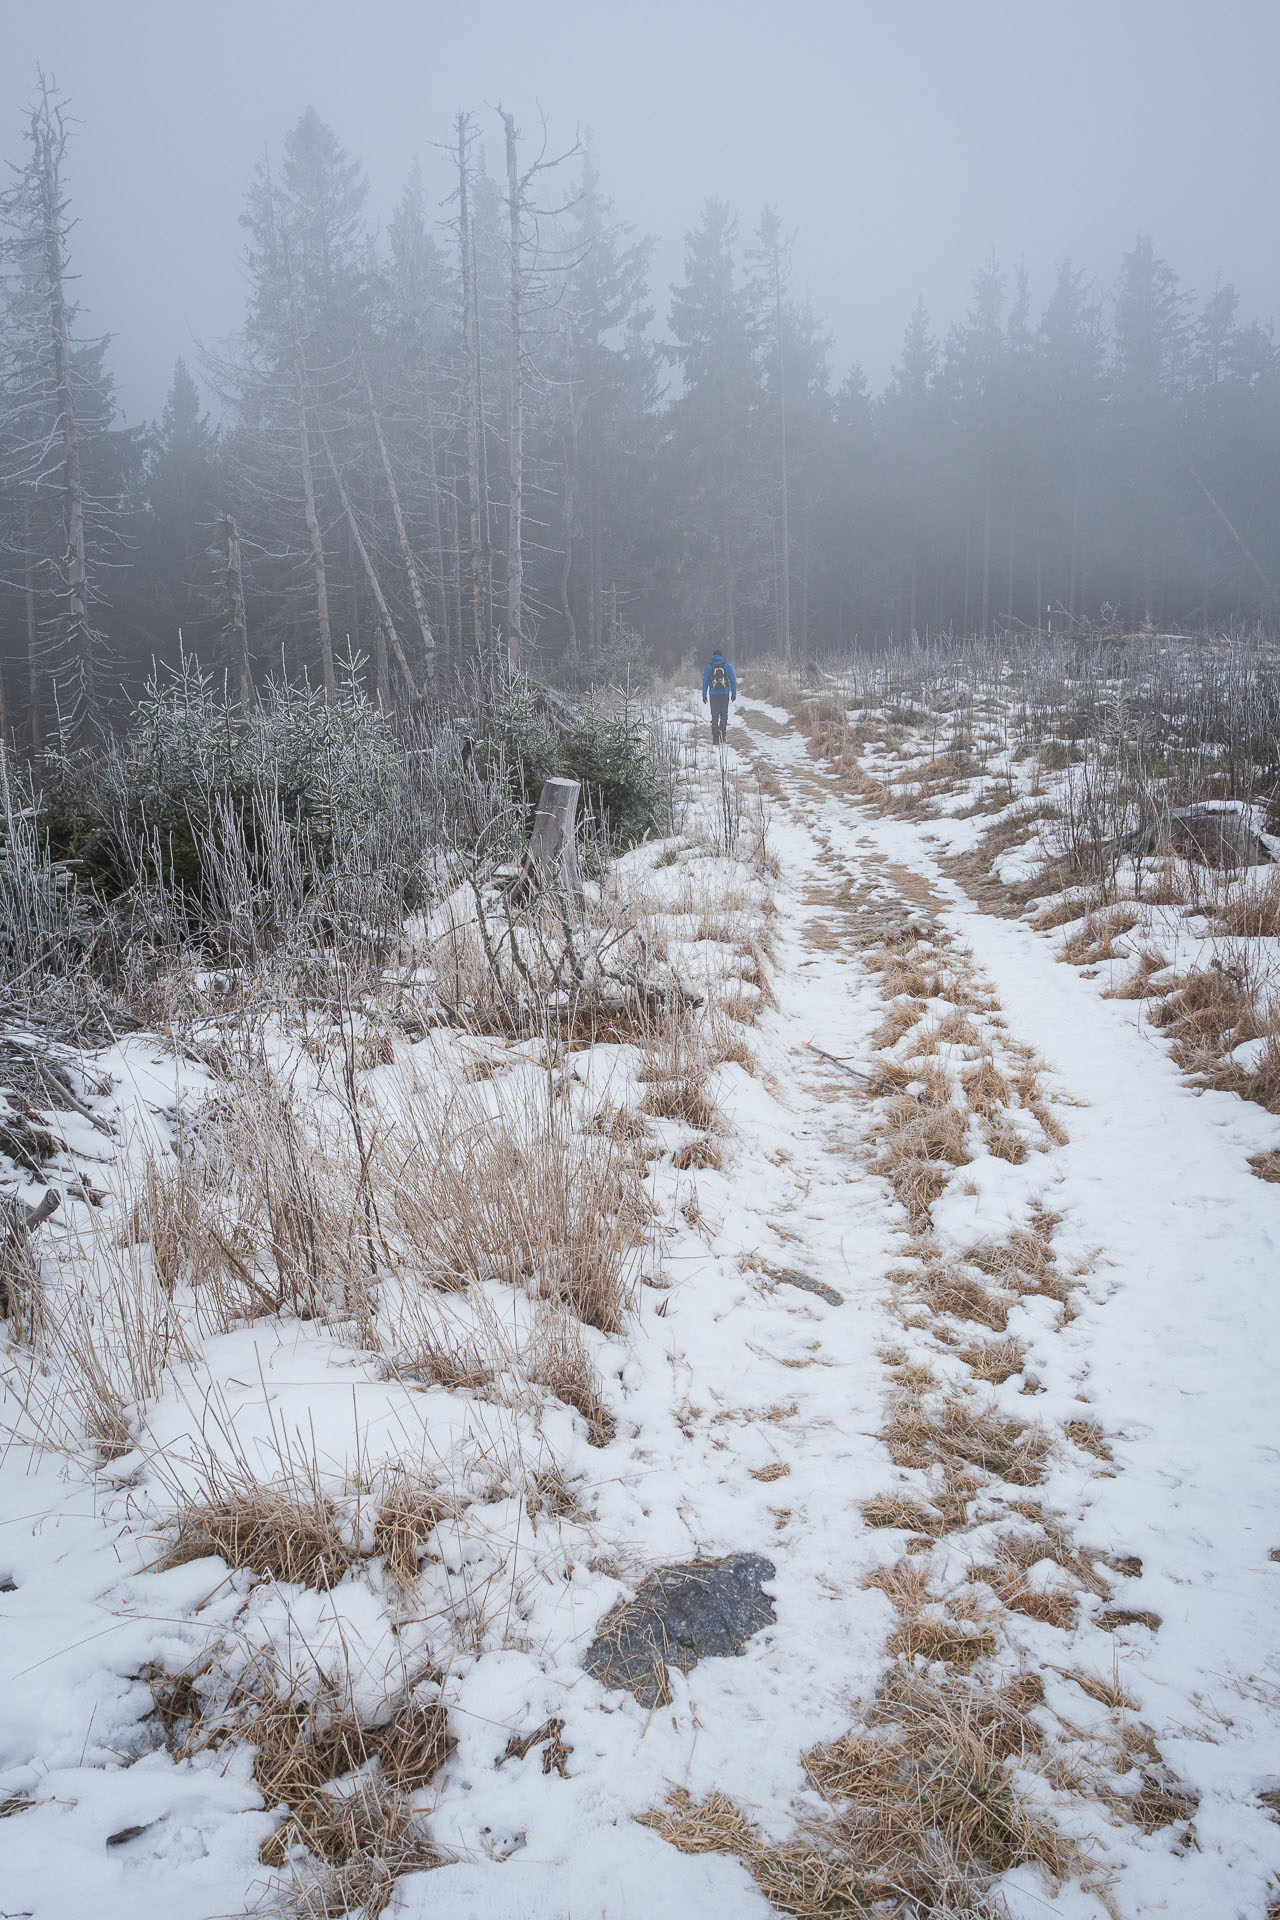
233 580
515 431
477 490
519 274
314 538
51 374
386 619
402 536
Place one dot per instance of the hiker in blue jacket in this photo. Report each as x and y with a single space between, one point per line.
718 688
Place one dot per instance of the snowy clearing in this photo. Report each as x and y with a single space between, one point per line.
1014 1444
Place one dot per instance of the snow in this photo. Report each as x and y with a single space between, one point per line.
724 1371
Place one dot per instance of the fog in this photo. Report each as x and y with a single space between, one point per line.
901 143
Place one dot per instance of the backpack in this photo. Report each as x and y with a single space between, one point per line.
719 680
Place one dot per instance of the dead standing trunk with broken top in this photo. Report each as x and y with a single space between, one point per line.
551 858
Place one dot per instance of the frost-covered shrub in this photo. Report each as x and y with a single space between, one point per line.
613 745
48 923
146 805
625 763
298 821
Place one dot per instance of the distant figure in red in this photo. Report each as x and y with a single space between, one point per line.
668 661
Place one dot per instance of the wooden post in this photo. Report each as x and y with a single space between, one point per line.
551 855
16 1224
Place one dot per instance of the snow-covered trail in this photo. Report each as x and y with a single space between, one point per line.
756 1407
751 1417
1173 1352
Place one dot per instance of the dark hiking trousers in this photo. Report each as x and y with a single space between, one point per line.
719 715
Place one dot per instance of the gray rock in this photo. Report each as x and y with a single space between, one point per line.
791 1278
681 1615
1212 836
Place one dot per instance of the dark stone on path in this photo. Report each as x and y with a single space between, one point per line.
824 1292
681 1615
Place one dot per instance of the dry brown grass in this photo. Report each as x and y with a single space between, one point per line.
956 1029
1093 941
899 1510
698 1155
685 1100
745 1008
557 1359
1162 1800
931 1088
1253 916
291 1533
409 1511
1139 984
947 1642
920 1146
718 928
1089 1437
1062 911
303 1746
727 1046
368 1826
1023 1262
922 1813
904 976
1004 1142
1165 885
898 1021
1210 1012
1266 1165
986 1089
1205 1015
513 1192
1108 1693
959 1428
618 1123
995 1361
916 1184
946 1289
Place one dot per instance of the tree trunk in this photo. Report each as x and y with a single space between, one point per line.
77 637
551 857
233 579
515 432
570 508
985 544
34 666
406 551
387 635
477 497
318 573
784 477
447 627
455 536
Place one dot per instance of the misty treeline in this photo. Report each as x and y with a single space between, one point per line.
457 444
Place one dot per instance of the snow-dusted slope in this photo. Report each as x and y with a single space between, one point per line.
751 1415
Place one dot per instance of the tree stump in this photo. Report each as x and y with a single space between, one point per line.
551 857
16 1224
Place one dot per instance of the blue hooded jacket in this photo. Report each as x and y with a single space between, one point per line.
718 660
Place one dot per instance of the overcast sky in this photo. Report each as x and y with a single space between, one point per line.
901 139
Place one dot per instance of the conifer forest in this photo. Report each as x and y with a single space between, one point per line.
482 431
639 963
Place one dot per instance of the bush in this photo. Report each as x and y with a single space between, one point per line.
616 749
153 804
626 770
